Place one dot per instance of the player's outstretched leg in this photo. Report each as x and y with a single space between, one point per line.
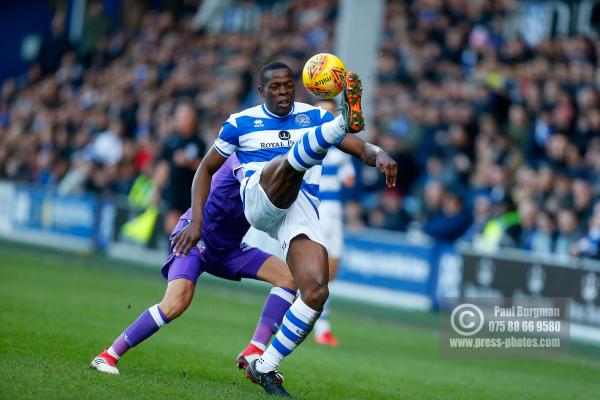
177 299
279 300
312 147
282 177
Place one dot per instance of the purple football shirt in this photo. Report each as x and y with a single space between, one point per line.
220 251
224 223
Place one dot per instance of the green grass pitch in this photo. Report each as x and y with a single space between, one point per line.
58 311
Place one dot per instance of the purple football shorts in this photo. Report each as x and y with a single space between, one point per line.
232 264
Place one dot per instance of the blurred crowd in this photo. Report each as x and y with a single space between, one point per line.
497 135
147 97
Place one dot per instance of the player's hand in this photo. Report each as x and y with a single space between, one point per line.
187 238
387 166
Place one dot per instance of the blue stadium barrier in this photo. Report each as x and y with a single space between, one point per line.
45 217
387 268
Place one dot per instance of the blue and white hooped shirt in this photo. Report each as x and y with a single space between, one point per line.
257 136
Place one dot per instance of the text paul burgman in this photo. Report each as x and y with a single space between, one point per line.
526 312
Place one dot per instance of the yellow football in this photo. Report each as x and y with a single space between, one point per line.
323 75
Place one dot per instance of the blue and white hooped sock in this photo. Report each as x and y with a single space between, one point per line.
297 324
312 148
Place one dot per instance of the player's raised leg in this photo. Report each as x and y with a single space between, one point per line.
281 178
312 147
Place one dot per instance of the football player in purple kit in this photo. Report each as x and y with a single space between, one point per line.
220 253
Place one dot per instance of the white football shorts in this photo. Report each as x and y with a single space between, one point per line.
282 225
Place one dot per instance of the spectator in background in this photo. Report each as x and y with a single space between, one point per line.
589 245
95 28
482 212
504 228
542 240
518 125
391 215
181 155
54 46
433 193
107 147
450 221
70 72
528 215
568 232
583 198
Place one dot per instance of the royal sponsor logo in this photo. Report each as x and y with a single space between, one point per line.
276 145
284 135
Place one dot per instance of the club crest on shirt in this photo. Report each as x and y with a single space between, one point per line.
201 246
302 120
284 135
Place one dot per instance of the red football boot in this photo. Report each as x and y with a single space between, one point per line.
106 363
249 354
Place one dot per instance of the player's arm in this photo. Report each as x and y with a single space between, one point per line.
187 238
371 155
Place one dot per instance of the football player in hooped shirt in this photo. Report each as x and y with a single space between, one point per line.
220 253
281 145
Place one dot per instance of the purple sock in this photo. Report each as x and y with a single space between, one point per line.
276 305
145 326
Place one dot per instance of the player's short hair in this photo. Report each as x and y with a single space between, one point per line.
272 66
